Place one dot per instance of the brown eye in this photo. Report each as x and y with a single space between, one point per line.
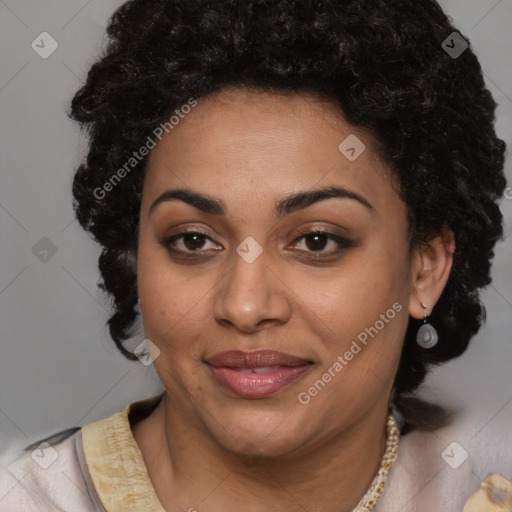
194 241
190 242
321 243
316 241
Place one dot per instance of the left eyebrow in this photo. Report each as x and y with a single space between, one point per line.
300 200
292 202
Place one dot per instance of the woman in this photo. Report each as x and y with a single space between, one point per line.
299 199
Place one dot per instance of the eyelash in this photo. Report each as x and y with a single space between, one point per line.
343 243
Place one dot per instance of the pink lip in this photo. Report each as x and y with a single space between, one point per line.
235 371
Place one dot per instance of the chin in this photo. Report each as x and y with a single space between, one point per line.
258 433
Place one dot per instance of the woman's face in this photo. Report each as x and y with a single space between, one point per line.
320 316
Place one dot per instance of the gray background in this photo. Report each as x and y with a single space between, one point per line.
58 366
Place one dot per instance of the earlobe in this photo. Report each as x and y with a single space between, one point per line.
431 265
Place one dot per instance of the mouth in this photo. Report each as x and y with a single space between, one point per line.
256 374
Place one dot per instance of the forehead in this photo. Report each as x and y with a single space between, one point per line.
246 143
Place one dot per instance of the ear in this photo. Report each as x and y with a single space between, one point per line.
430 268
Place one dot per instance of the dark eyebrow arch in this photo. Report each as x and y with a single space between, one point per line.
291 203
202 202
300 200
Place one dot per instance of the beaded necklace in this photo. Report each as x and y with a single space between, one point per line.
373 493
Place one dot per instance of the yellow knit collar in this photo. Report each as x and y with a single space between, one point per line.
116 464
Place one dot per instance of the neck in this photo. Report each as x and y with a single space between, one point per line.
190 470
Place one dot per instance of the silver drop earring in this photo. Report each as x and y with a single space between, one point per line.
427 336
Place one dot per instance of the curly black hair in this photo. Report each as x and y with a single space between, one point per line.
380 62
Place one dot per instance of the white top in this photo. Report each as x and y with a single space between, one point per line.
99 468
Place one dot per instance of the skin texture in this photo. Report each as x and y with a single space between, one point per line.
205 447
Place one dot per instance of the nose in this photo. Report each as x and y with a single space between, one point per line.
251 297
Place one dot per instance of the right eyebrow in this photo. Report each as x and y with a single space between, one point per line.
202 202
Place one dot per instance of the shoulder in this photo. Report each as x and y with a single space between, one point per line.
48 475
78 469
448 469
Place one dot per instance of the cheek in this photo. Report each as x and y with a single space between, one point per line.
360 316
356 292
360 307
174 304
